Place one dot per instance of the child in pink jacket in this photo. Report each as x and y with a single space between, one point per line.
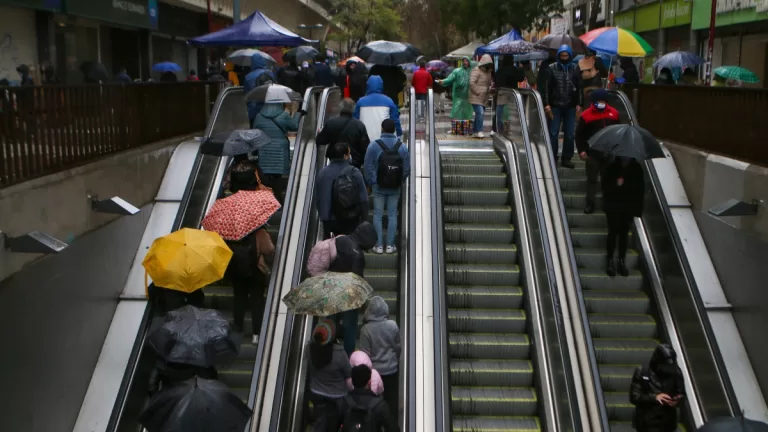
360 358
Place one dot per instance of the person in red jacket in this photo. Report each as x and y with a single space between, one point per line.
422 82
598 116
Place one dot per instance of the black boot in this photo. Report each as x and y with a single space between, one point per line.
568 164
590 208
622 268
610 270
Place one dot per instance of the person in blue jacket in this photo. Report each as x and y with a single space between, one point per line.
259 75
275 157
375 107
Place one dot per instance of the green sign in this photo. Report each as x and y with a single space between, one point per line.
647 17
675 13
728 12
134 13
51 5
626 20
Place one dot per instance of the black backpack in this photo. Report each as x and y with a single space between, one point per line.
390 172
358 417
345 196
243 261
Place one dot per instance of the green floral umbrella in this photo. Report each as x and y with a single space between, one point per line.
328 294
737 73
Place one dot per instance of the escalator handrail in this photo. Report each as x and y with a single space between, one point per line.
281 386
255 393
443 418
544 235
563 221
690 280
139 342
408 284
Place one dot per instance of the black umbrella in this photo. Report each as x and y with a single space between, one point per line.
195 405
300 54
192 336
388 53
627 141
555 41
94 71
235 143
733 424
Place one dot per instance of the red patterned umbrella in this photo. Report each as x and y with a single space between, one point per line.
240 214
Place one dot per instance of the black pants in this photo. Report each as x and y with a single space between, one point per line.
278 183
619 224
169 300
392 393
593 174
328 413
248 291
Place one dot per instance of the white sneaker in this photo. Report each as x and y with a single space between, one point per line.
391 249
378 250
255 339
480 135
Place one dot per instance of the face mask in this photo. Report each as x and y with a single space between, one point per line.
600 106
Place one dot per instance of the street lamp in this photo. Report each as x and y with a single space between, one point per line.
310 27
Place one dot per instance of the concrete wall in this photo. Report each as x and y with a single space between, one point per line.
738 246
57 204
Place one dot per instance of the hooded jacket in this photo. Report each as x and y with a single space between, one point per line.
459 80
347 129
592 121
324 188
357 80
661 375
273 120
376 107
380 415
375 384
259 75
508 76
563 88
480 82
380 337
350 250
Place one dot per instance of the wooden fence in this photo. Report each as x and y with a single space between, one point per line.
731 122
47 129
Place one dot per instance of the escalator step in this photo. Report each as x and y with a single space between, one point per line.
382 279
381 261
476 233
516 401
623 351
486 321
590 237
468 168
483 372
482 274
618 406
579 201
496 197
485 297
237 374
578 219
616 377
633 302
491 159
596 258
597 280
485 346
477 253
495 181
496 424
241 392
479 215
571 184
622 326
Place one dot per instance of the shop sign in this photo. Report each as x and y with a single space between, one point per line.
134 13
647 17
675 13
729 12
51 5
558 25
625 20
579 16
724 6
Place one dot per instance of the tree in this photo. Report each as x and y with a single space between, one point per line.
364 20
486 18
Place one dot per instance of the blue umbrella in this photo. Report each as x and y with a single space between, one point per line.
256 30
510 43
166 67
678 59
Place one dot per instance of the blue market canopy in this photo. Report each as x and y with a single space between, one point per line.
256 30
507 44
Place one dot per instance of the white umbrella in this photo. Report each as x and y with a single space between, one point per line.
273 93
243 57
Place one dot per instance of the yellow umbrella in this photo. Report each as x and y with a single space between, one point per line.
187 260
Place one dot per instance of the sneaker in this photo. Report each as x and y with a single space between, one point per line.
255 339
480 135
568 164
622 268
378 250
391 249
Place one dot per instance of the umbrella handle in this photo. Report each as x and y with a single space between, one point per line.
146 283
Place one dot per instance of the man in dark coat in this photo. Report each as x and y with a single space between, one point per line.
656 392
348 129
623 193
340 157
323 76
364 400
598 116
357 80
562 98
507 77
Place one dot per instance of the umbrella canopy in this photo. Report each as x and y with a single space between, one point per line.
195 405
94 71
328 294
388 53
510 43
197 337
273 93
437 65
467 50
256 30
240 214
678 59
535 55
617 41
235 143
555 41
733 424
166 67
300 54
187 260
607 59
628 141
736 73
243 57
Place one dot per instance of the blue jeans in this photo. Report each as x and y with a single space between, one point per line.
566 115
385 199
500 119
479 117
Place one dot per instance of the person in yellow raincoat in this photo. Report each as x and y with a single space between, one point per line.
459 79
231 74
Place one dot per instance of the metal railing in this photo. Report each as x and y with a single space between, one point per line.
47 129
408 282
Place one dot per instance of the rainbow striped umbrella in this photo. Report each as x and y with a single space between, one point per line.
616 41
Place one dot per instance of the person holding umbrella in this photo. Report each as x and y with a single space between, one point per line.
258 76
